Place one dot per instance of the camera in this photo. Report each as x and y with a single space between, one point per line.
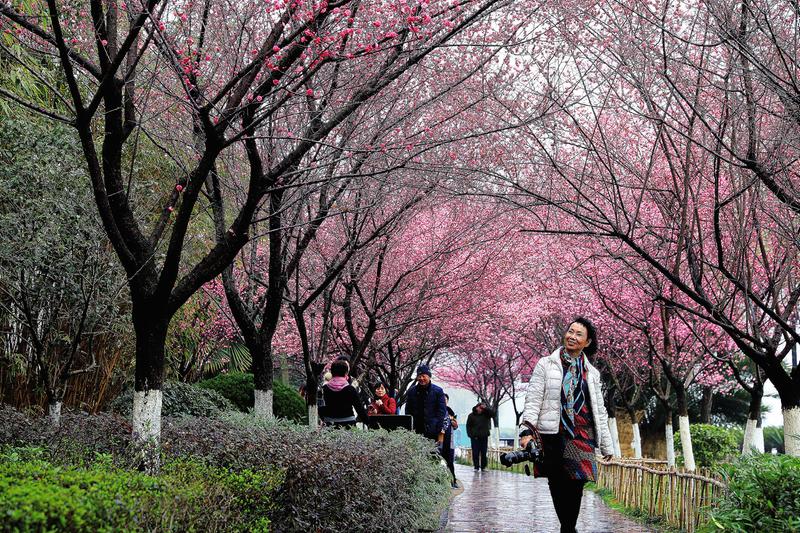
529 453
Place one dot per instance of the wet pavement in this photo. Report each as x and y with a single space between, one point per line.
494 501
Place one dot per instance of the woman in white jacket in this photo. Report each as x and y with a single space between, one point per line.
564 403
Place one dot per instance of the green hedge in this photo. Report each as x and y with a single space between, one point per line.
179 399
712 444
238 387
763 495
36 495
332 479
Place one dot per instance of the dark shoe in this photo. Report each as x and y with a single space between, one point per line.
454 485
476 468
483 469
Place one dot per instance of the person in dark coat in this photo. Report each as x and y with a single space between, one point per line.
448 446
479 426
425 402
343 408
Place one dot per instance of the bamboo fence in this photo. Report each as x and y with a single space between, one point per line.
679 498
648 485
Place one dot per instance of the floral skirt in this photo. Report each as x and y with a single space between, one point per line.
568 457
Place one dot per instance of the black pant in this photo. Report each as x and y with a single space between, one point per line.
567 495
480 447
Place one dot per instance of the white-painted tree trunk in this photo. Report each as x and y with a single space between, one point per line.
262 407
669 437
612 427
54 413
313 416
637 442
686 443
759 440
791 431
147 426
753 438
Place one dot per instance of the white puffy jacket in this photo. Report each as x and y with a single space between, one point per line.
543 400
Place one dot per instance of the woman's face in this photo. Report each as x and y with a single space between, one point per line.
576 338
380 392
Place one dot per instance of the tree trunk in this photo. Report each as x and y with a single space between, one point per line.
791 430
753 435
637 436
151 334
686 443
54 412
669 437
706 404
612 427
637 441
683 427
262 378
313 416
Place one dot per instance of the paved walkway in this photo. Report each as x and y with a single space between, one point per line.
496 501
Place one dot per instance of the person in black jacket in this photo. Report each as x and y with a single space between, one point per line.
425 402
479 426
343 408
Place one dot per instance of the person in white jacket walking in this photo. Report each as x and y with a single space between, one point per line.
565 404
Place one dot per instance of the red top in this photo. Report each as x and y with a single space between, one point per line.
388 406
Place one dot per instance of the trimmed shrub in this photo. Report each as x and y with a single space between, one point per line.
712 444
288 404
179 399
238 387
76 441
763 495
333 479
188 496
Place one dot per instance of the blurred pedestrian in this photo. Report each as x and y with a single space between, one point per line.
479 427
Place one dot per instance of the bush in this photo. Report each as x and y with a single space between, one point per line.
333 480
188 496
237 387
76 441
712 444
763 495
288 404
179 399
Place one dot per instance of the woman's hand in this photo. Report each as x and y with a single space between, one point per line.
523 441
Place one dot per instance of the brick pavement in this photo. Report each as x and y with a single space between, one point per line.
503 502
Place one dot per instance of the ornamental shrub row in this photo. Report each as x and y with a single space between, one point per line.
763 495
712 444
188 495
238 387
331 480
220 394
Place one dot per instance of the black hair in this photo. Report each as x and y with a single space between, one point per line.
446 395
339 369
591 333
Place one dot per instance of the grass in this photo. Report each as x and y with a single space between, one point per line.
655 522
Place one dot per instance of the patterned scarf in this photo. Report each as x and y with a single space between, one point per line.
572 397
